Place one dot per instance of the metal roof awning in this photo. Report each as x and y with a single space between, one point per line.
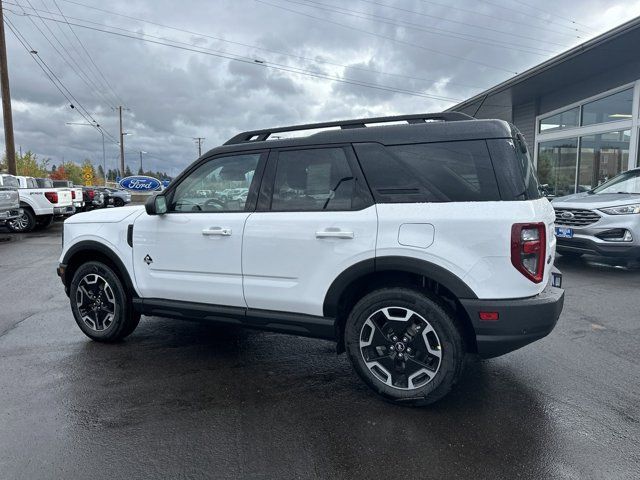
601 54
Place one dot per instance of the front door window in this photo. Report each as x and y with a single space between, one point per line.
219 185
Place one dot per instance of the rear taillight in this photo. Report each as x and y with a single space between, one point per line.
528 249
73 194
91 194
52 196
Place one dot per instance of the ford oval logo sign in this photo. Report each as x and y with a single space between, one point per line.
140 183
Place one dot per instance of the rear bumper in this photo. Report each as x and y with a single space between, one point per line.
520 321
10 214
70 210
589 247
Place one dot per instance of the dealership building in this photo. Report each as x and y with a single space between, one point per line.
579 111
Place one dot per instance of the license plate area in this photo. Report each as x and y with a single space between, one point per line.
564 232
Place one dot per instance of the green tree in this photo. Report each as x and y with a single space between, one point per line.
127 171
74 173
28 165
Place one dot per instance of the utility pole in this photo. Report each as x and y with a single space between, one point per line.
121 143
141 152
6 101
199 140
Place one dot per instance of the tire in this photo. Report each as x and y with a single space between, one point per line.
95 284
385 319
24 223
118 202
44 221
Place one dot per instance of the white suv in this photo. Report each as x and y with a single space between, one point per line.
409 245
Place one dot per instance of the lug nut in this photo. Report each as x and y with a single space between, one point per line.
404 339
400 355
409 350
394 338
392 347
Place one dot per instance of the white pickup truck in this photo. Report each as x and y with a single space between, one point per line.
39 205
76 192
9 200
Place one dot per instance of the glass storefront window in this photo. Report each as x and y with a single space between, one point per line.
602 157
566 119
616 107
557 163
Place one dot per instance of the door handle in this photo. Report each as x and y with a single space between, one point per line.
334 234
225 232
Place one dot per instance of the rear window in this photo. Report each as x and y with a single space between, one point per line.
430 172
44 183
8 181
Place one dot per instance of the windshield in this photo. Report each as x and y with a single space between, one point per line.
627 182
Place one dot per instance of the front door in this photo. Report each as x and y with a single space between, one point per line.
193 252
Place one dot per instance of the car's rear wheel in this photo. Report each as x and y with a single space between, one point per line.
404 345
118 202
100 304
24 223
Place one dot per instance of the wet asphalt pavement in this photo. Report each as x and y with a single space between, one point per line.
187 400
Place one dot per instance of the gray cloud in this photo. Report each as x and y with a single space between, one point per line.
173 94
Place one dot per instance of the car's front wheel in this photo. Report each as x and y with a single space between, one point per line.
404 345
100 304
118 202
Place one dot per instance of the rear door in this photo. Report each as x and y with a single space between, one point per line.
315 218
193 252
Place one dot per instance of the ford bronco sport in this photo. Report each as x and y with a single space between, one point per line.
409 245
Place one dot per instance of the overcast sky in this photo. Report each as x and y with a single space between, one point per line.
420 55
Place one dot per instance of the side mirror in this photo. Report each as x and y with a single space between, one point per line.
156 205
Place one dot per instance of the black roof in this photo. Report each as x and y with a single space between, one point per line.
456 127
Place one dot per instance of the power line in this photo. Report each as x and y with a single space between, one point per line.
95 81
510 20
34 53
100 73
463 36
553 14
401 42
224 40
53 78
271 65
520 12
87 81
47 70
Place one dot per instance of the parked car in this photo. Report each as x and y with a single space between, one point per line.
39 205
117 198
602 221
9 199
92 198
76 192
402 243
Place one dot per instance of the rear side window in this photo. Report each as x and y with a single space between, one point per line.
313 180
430 172
514 169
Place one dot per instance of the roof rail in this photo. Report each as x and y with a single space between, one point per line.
261 135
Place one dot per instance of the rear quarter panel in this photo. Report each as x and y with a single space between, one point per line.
470 239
